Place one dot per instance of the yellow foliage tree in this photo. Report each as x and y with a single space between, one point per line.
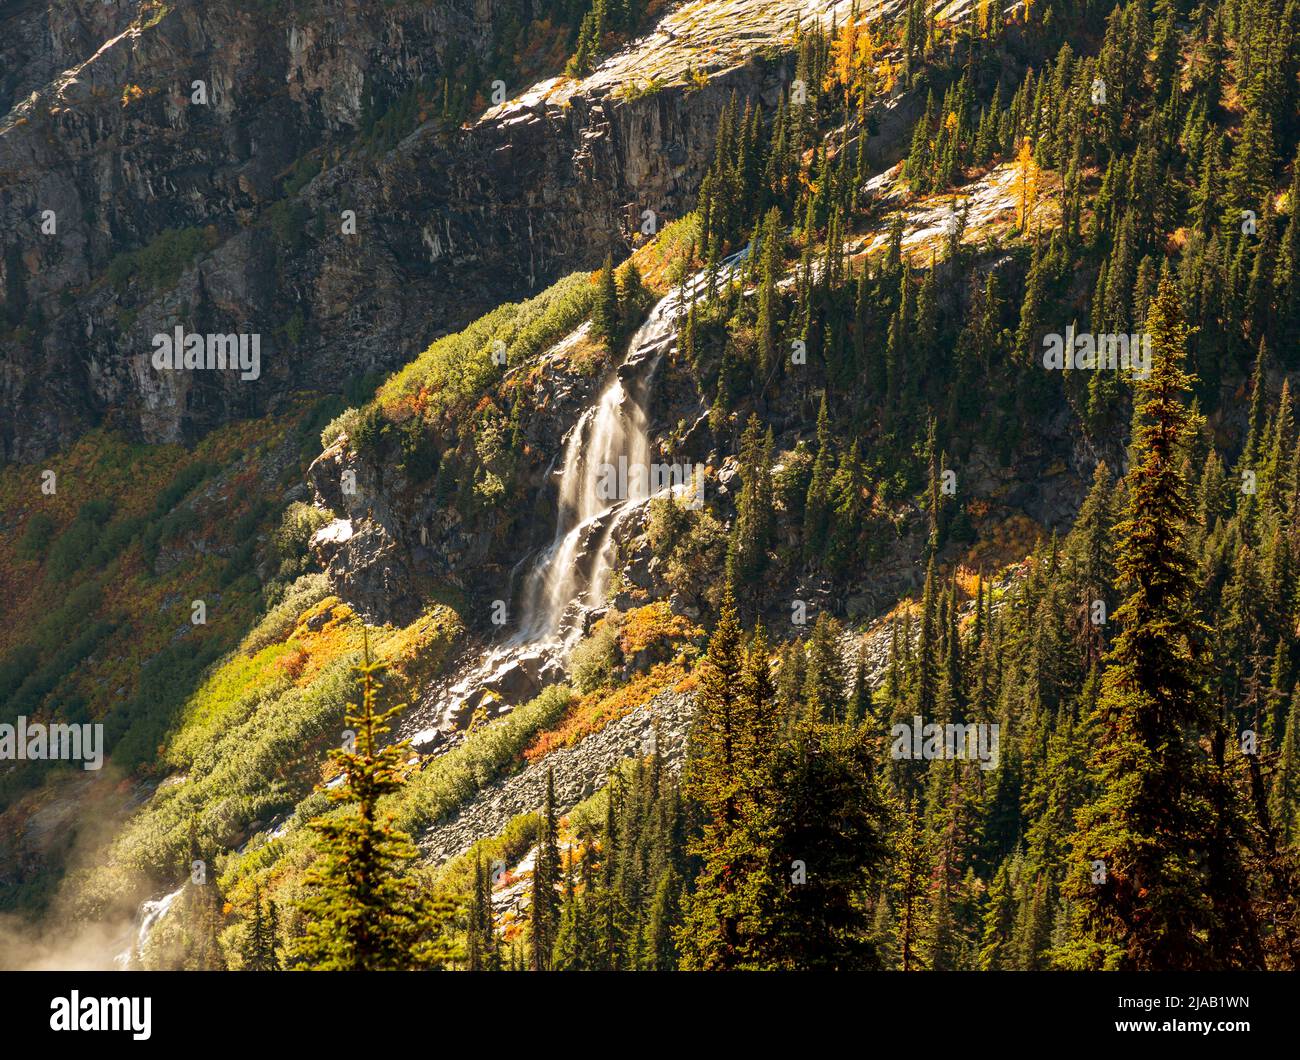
888 76
1026 184
842 48
853 58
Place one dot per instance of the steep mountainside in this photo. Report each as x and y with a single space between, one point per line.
227 215
820 477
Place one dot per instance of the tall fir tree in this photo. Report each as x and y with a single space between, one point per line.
1138 883
362 909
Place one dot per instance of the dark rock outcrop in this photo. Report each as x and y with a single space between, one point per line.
449 222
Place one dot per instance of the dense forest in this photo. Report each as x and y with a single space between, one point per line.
1141 669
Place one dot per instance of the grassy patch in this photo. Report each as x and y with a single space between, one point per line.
457 369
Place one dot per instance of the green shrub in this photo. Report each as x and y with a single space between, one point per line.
73 610
161 261
303 173
240 562
288 220
420 456
372 431
451 779
15 667
73 547
595 661
184 520
36 537
516 839
40 682
293 536
280 621
134 733
184 481
346 422
691 544
113 540
294 327
242 765
248 524
458 367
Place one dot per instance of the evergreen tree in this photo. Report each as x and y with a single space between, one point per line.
1144 840
910 894
817 504
363 911
258 950
544 914
482 948
661 947
829 848
605 313
725 778
825 681
753 526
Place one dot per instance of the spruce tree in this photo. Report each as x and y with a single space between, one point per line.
825 680
544 914
817 505
482 949
605 313
828 848
725 780
910 898
661 947
258 950
363 911
1143 841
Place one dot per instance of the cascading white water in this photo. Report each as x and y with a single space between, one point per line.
570 577
609 436
150 913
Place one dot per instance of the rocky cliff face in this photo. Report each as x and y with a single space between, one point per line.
105 148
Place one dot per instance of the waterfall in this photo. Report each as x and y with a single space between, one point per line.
572 574
609 443
569 577
150 913
611 435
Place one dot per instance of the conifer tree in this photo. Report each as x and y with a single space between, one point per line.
910 893
661 946
770 261
363 911
1284 796
605 314
754 506
483 951
258 951
999 921
1144 839
825 681
860 707
828 848
544 914
817 504
573 943
583 60
724 778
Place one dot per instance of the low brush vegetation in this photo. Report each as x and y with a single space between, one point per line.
104 575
